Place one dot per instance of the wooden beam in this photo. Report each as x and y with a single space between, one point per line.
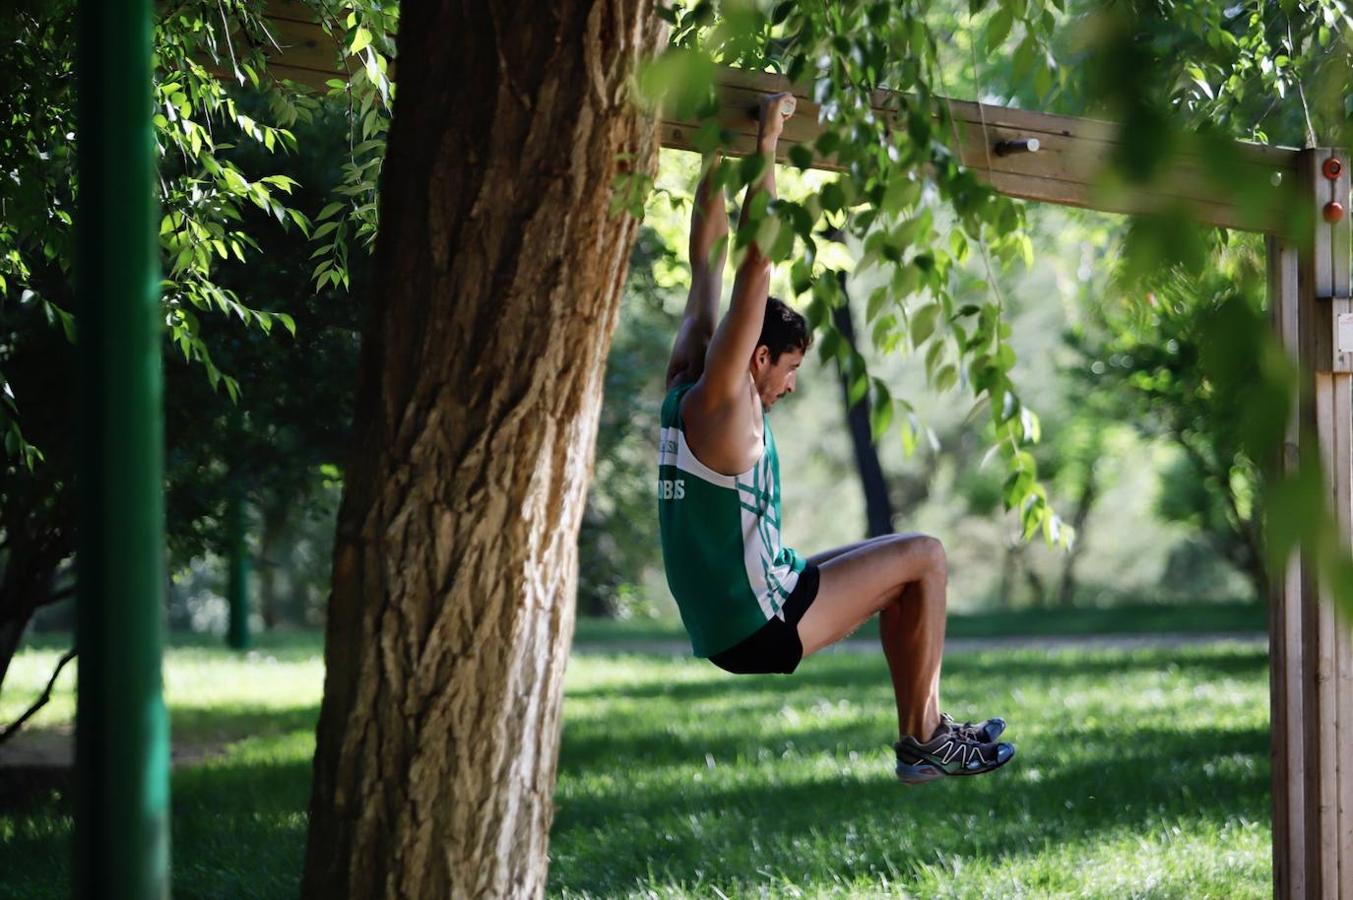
308 54
303 52
1069 169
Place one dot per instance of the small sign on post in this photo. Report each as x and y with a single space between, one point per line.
1344 334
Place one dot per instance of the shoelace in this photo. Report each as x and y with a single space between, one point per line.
964 730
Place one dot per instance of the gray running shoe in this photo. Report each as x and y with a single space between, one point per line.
950 751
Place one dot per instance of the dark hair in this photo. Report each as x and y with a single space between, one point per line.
783 330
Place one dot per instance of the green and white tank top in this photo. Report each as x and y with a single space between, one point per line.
721 538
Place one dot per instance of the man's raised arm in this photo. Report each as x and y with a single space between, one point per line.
708 249
734 341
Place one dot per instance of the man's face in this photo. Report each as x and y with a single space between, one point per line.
775 379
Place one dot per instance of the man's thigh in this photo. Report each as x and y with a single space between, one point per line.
819 559
860 581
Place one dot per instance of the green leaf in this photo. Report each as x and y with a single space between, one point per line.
827 142
681 79
833 197
933 357
831 345
906 280
1033 430
1023 63
751 169
360 41
1051 529
901 193
882 414
923 323
235 182
780 239
908 430
1042 80
998 29
1031 517
877 298
858 388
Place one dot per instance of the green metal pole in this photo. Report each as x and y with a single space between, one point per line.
237 590
122 730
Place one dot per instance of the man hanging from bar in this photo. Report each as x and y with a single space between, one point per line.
750 604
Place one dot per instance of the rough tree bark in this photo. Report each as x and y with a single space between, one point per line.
499 271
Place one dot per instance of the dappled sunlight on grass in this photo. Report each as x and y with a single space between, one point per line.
1138 773
1141 772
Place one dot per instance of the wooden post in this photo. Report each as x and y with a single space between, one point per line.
1285 621
1312 657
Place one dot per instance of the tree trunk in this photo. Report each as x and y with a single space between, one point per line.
500 268
1066 593
878 507
12 627
25 587
1011 565
1035 582
273 555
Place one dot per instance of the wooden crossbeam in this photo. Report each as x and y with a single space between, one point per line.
1068 169
309 55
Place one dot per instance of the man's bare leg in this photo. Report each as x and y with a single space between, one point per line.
912 631
818 559
904 577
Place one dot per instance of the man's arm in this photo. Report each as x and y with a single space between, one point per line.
734 341
708 249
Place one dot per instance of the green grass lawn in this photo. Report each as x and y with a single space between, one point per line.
1138 774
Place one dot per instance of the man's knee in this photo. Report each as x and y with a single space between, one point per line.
931 551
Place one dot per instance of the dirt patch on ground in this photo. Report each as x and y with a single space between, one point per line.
54 748
37 766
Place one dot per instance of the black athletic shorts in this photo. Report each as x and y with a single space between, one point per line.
776 646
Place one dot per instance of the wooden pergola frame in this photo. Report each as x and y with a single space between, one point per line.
1311 654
